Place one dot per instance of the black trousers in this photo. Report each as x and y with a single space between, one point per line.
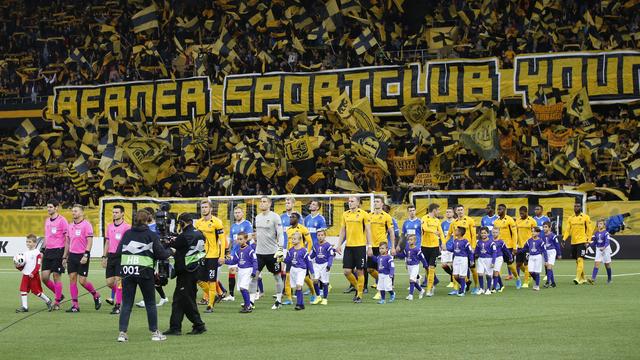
184 302
147 287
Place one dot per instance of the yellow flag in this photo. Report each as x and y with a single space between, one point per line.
579 105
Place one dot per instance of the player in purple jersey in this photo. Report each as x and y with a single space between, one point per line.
298 263
485 253
462 259
552 245
386 271
414 257
240 225
55 246
247 266
322 256
502 254
601 244
536 252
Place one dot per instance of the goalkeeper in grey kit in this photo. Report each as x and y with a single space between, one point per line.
269 243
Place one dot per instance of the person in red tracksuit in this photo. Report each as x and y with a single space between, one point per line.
31 276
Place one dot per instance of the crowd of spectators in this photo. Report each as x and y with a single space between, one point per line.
37 41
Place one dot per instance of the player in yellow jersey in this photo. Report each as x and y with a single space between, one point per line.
579 228
508 234
214 246
295 226
525 224
355 230
432 240
469 225
381 226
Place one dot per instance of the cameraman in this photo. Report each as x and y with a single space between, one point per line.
159 286
138 250
188 251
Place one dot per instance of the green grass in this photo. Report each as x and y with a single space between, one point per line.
570 321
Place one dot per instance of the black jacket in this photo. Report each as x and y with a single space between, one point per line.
143 235
182 243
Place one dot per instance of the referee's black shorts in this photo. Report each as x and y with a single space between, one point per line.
355 257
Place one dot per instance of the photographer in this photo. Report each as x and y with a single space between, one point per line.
188 251
138 250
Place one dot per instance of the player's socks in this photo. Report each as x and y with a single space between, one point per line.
512 270
279 287
245 297
609 274
316 288
309 283
509 270
418 286
526 274
536 278
51 285
204 286
58 286
474 272
213 291
518 270
594 273
23 300
232 283
382 294
73 289
496 281
412 286
462 282
360 286
456 284
113 291
550 276
352 280
299 297
287 287
481 282
89 287
374 273
220 288
325 290
260 285
430 279
489 278
579 268
118 297
44 297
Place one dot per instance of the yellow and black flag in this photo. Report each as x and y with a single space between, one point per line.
330 15
579 105
298 149
634 110
145 19
344 180
481 136
364 42
633 170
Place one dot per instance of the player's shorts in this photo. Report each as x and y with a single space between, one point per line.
31 284
74 266
498 265
578 250
446 256
551 255
296 276
484 265
273 266
354 257
535 263
603 254
113 265
209 272
371 264
414 270
52 260
385 283
521 258
431 254
244 278
320 273
460 266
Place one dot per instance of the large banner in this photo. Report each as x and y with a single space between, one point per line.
170 101
607 76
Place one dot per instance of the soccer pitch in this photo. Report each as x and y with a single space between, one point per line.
601 321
